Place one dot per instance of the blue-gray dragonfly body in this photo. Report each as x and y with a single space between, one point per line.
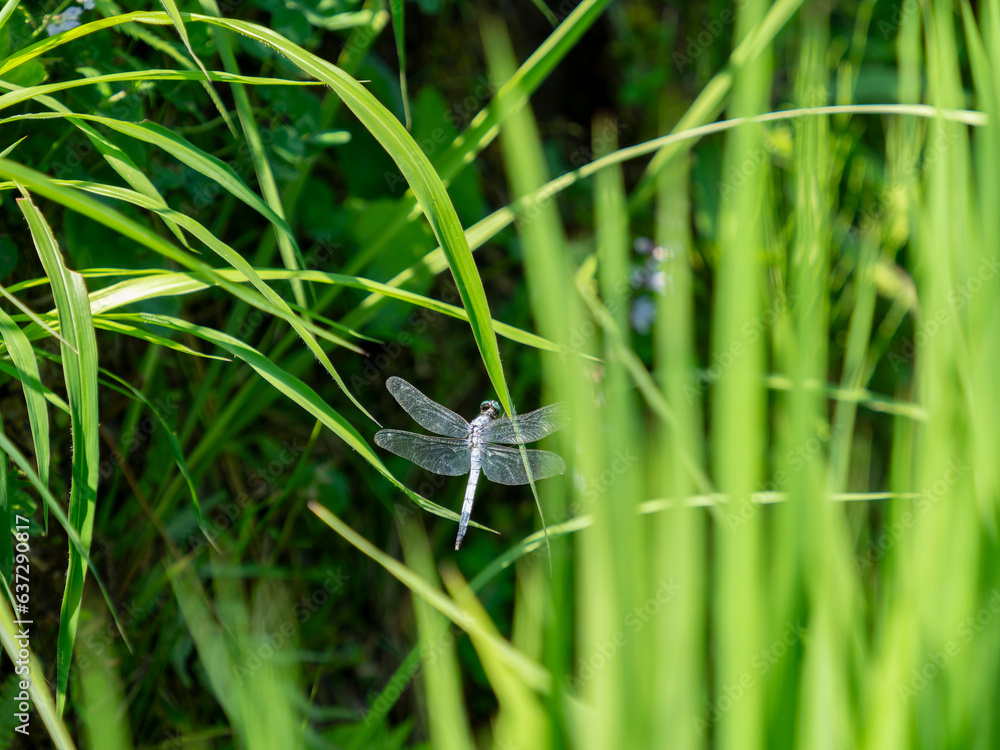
469 447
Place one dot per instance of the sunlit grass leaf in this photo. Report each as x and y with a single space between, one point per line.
527 670
163 284
23 357
300 393
427 186
41 698
443 684
175 15
91 208
79 357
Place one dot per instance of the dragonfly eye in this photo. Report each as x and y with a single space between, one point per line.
492 408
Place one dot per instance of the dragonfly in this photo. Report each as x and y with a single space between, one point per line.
471 447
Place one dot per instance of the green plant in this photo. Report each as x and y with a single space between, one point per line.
778 527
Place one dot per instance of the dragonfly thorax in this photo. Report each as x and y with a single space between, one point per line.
490 409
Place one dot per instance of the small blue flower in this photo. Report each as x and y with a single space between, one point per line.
643 314
68 19
64 21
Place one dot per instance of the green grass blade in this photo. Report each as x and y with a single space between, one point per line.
170 284
175 15
9 7
16 95
41 698
290 255
23 357
397 8
443 676
205 164
737 405
129 228
529 671
300 393
80 366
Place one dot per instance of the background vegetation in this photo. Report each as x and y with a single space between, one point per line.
753 248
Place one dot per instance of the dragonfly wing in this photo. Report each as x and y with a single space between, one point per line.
428 414
530 427
440 455
504 466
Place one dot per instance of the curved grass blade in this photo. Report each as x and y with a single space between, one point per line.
291 258
80 368
175 15
103 214
9 7
296 390
114 323
38 688
16 95
529 671
199 231
416 168
176 283
23 357
187 153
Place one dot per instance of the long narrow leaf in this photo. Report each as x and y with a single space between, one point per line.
80 367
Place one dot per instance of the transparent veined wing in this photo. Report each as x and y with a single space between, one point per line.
428 414
530 427
440 455
504 466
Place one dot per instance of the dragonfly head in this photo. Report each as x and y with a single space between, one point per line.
490 409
